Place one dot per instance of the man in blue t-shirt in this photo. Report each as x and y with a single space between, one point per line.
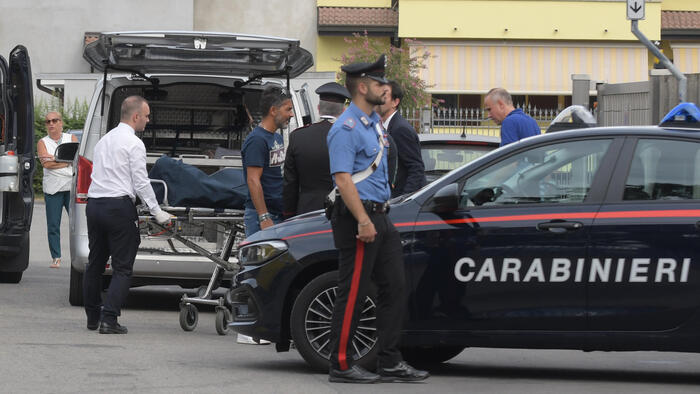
515 124
263 156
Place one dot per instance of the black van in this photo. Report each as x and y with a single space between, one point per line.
16 163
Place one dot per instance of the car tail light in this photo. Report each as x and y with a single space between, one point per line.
84 180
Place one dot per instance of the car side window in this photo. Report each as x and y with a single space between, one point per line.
558 173
664 170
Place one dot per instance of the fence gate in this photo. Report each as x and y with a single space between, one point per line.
642 103
624 104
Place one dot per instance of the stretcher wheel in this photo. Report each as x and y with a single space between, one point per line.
223 318
189 315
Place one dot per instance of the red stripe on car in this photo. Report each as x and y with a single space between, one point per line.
544 216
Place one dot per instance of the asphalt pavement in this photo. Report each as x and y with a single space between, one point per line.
45 348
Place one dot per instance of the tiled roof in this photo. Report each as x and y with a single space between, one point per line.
680 20
357 16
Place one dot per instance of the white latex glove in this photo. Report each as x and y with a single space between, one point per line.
162 217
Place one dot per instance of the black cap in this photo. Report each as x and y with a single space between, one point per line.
333 91
372 70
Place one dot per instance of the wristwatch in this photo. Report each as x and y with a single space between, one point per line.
263 217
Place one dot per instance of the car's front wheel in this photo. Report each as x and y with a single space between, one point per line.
311 324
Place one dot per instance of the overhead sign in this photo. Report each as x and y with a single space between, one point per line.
635 10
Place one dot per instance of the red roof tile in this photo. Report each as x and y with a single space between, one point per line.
680 20
357 16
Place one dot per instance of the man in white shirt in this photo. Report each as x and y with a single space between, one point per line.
118 176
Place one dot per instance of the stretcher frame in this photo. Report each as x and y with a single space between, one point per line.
232 221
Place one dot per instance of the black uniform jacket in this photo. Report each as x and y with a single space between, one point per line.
307 173
410 172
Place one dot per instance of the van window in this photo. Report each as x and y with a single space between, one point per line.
194 120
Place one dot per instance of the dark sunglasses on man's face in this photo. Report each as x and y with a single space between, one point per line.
54 120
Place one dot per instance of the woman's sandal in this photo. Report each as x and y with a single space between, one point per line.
56 263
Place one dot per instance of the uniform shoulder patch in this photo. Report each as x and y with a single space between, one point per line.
349 124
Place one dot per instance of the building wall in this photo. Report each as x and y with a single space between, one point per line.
524 20
331 48
53 31
280 18
680 5
354 3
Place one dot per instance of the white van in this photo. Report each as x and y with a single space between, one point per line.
200 87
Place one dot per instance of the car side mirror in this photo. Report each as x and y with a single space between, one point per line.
445 200
484 195
65 152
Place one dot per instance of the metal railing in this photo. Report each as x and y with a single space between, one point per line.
469 120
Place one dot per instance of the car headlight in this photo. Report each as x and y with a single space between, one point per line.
260 252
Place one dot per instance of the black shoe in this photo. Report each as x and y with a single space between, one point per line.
93 325
402 372
116 328
354 374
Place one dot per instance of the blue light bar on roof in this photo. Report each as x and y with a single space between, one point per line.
683 112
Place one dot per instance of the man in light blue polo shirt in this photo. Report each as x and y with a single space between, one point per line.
369 245
515 124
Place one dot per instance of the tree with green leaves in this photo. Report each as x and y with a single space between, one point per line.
402 65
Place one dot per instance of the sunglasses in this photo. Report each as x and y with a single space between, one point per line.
54 120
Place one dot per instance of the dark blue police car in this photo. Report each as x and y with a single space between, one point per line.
584 239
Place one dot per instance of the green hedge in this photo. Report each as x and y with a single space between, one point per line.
74 115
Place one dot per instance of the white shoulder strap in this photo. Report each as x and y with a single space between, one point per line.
362 175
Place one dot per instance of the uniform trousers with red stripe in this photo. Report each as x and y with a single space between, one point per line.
360 264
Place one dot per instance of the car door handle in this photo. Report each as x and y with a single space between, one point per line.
559 226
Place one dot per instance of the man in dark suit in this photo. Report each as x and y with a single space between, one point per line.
307 174
410 171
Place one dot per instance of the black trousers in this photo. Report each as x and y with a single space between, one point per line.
112 231
360 264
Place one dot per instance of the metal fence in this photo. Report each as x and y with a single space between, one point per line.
467 120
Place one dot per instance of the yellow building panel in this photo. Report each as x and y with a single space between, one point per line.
354 3
687 57
680 5
330 48
528 68
521 19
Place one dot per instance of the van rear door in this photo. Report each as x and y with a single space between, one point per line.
152 52
18 137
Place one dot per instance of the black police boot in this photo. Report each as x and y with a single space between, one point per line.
354 374
115 328
93 324
402 372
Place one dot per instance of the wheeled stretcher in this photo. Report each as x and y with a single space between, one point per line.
228 222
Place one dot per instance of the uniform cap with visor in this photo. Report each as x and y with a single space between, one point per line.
333 92
371 70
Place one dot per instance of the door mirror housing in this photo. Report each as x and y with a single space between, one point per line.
445 200
65 152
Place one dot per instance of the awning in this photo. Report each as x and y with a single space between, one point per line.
686 57
528 68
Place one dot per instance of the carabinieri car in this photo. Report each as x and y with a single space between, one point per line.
584 239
